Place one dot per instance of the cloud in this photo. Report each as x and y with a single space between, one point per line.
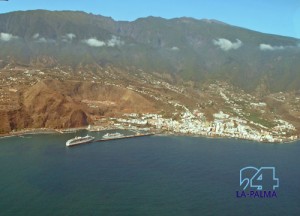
268 47
36 36
227 45
7 37
115 41
42 40
68 37
174 48
45 40
39 39
94 42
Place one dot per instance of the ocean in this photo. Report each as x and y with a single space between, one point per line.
158 175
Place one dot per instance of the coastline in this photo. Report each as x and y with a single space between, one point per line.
35 131
228 137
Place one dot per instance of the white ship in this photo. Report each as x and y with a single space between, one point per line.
79 140
112 135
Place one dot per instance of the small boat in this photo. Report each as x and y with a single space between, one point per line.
80 140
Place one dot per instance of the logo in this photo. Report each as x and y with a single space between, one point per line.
258 182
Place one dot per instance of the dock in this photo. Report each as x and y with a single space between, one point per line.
124 137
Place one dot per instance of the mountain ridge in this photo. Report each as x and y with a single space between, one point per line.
197 50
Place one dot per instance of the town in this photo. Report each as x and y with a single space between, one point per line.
193 123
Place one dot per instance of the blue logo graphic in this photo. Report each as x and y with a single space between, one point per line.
263 178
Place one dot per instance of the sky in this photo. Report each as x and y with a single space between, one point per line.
280 17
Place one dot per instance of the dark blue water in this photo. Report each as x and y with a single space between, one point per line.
143 176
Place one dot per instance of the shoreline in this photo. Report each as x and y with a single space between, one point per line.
158 133
236 138
37 131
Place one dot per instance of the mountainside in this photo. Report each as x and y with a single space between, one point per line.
61 104
186 48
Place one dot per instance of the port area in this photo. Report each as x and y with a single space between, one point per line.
116 138
124 137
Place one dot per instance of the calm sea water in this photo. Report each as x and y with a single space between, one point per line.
143 176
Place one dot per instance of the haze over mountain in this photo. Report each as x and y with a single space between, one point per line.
188 49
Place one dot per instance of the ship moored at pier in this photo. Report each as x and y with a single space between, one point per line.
112 135
106 137
80 140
